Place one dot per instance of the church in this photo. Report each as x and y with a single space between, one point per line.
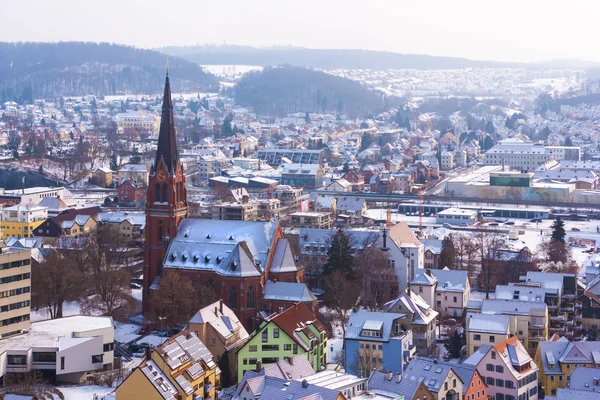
249 265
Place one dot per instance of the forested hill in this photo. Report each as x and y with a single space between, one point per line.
46 70
287 89
324 58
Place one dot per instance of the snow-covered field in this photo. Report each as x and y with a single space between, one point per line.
84 392
153 339
125 333
69 308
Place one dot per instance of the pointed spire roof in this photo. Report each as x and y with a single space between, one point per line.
167 145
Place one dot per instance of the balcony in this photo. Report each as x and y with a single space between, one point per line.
578 305
567 309
558 318
537 327
553 307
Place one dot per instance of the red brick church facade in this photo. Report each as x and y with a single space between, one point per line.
234 258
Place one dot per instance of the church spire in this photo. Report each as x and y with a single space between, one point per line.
167 145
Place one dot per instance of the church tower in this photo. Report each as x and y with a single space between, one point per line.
166 202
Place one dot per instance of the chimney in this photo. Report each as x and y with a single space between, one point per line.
258 366
221 305
398 377
408 291
435 361
304 384
428 271
390 375
216 311
291 360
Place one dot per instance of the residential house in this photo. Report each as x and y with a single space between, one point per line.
69 347
322 203
584 384
129 191
339 186
130 224
508 369
422 320
433 250
356 179
377 340
440 379
102 176
71 222
311 219
307 176
135 172
351 209
279 295
451 287
20 220
290 332
387 386
486 330
222 332
529 319
509 264
263 387
559 358
181 368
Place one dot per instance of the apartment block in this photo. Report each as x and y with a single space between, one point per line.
15 290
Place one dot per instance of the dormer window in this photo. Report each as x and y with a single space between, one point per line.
173 257
195 258
184 257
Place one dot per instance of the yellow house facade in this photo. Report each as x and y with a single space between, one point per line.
21 220
181 368
558 359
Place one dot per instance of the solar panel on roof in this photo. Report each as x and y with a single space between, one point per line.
185 385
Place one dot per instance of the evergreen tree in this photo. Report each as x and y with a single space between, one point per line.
114 164
226 129
407 124
346 167
307 118
455 344
448 254
568 141
489 128
558 231
364 125
488 142
339 256
135 158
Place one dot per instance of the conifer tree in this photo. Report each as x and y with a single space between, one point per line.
558 231
339 256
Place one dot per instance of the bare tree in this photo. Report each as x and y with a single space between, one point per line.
488 244
378 280
341 295
54 281
369 358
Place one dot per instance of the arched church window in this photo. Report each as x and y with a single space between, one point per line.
250 298
164 193
232 297
157 192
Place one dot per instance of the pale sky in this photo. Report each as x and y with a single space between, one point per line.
506 30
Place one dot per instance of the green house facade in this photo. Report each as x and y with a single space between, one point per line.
292 332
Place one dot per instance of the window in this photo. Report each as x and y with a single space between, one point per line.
276 332
232 297
551 378
97 358
489 381
455 299
164 193
493 355
287 347
265 335
213 341
107 347
295 346
250 299
499 368
489 367
445 385
476 337
420 289
62 363
16 360
568 366
492 339
454 383
157 191
252 348
500 382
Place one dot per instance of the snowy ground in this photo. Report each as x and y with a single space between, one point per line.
69 308
153 339
137 294
125 333
334 351
84 392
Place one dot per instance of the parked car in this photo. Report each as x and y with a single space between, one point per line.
575 229
493 224
509 223
134 285
144 330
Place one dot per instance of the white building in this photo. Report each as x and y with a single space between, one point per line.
138 120
570 153
457 216
447 161
70 347
518 155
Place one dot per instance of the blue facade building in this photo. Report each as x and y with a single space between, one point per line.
377 341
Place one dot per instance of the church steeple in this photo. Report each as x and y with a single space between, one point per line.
167 145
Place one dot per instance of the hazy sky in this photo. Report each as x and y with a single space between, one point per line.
507 30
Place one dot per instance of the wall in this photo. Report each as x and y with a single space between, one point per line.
137 386
78 358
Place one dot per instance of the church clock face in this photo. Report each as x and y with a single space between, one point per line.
161 176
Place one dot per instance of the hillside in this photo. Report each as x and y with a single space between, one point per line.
324 58
46 70
283 90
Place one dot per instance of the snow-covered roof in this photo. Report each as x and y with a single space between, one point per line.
222 319
411 302
451 280
360 318
512 307
283 259
287 291
488 323
230 248
133 168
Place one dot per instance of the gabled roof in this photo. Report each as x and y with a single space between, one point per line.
513 354
451 280
283 259
299 368
222 320
421 312
295 320
360 318
287 291
488 323
433 373
380 384
424 278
